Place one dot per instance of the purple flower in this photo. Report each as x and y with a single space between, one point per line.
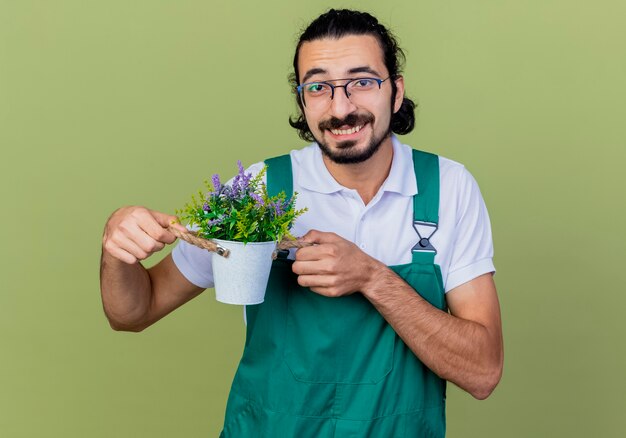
215 221
227 191
288 203
258 200
235 186
241 183
205 207
246 181
217 185
277 208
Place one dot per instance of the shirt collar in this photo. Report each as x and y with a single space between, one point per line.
314 175
401 178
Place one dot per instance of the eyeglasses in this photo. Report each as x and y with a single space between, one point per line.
317 95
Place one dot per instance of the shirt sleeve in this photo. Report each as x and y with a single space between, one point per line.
195 263
472 253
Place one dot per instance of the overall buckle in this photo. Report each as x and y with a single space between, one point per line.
427 231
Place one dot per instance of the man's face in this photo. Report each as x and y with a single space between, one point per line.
352 56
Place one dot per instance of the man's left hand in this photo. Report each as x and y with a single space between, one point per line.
334 266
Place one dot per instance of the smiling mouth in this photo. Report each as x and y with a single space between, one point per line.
346 131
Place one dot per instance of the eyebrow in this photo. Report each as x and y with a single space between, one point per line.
313 71
363 69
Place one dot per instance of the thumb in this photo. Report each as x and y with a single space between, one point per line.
166 220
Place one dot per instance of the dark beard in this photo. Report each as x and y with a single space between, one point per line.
346 154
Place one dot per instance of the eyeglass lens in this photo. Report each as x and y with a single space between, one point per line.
316 95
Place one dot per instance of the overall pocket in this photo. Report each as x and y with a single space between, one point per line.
336 340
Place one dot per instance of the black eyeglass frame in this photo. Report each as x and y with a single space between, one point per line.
344 86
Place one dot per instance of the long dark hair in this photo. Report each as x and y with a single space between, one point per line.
337 23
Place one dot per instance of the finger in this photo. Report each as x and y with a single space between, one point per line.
310 253
131 247
176 224
122 255
318 252
309 268
316 280
154 229
315 236
165 220
142 239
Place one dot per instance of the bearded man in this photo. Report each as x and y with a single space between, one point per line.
360 332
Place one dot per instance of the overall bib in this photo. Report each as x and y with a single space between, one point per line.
319 367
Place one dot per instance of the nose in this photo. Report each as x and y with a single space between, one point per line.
340 105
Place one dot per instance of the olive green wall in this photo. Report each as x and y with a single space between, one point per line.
110 103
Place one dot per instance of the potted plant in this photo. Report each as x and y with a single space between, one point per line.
246 224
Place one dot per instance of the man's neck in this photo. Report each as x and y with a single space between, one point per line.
366 177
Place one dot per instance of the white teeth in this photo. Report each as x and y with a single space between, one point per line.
346 131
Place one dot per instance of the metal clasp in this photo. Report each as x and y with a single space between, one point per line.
427 231
220 250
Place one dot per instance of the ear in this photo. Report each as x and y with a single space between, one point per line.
399 93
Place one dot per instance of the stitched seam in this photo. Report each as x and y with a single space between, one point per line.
322 417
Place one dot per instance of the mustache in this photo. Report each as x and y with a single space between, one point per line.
352 119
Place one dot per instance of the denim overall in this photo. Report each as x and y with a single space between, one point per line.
318 367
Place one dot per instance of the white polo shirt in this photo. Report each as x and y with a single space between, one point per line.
384 227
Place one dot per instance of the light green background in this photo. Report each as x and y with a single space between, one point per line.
110 103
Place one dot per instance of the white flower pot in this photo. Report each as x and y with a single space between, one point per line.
241 278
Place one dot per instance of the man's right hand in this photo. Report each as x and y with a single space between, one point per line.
134 233
134 297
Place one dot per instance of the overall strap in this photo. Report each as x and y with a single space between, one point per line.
279 175
425 204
